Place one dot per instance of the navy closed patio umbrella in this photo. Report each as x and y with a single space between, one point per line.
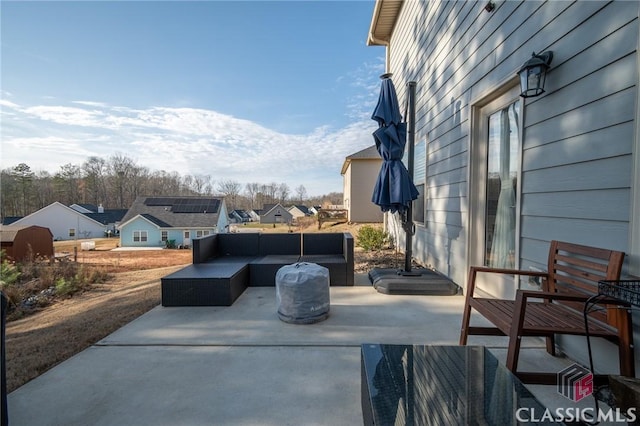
394 189
394 192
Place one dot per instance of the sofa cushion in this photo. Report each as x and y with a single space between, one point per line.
208 270
336 264
322 243
262 270
240 244
280 244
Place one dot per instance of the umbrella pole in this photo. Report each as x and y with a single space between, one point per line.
411 136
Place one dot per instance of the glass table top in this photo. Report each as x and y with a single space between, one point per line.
441 385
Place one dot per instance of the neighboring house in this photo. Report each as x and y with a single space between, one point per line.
275 213
314 209
86 208
110 218
64 222
255 217
26 242
359 174
8 220
299 211
239 216
156 221
563 165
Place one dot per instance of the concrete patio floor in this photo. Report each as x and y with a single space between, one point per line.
241 365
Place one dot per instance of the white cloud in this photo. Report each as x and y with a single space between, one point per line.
90 103
8 104
186 140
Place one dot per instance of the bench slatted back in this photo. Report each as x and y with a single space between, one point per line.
576 269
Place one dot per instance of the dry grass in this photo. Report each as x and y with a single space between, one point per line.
121 261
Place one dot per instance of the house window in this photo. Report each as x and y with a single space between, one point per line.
72 232
418 205
199 234
139 236
206 232
165 236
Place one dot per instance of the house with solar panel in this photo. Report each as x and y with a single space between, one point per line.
172 221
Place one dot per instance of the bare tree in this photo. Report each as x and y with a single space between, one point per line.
283 193
252 190
44 190
121 171
95 173
301 194
117 181
137 183
9 194
269 192
68 184
200 183
230 189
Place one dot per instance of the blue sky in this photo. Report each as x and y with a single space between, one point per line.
253 91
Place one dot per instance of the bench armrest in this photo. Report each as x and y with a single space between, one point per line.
550 296
473 272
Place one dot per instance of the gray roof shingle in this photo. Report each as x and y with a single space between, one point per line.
177 212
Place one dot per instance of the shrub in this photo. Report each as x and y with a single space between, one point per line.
9 274
371 238
65 287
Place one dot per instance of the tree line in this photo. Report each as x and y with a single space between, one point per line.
115 183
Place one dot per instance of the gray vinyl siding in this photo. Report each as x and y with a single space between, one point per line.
577 138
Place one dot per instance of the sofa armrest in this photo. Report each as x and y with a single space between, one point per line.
204 248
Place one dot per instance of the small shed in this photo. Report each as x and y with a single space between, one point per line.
22 242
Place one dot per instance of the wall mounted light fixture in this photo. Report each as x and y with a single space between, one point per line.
534 73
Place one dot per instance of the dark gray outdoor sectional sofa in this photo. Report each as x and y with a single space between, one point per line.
224 265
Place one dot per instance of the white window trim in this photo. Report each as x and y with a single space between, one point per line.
503 96
143 236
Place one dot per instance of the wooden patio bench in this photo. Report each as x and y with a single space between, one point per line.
572 277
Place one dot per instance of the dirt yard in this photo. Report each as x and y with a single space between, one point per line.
36 343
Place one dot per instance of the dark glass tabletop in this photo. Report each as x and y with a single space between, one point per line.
442 385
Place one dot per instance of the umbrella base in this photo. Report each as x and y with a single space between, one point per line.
415 282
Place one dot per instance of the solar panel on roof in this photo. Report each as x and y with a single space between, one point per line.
197 206
159 201
185 205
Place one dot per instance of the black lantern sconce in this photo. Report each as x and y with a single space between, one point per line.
534 73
